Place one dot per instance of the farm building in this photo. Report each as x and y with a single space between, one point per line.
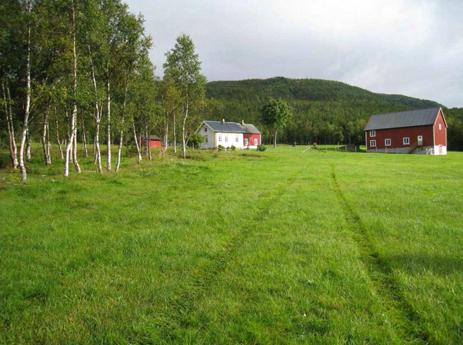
417 131
153 140
240 135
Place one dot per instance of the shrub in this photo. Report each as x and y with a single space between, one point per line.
233 148
220 148
261 148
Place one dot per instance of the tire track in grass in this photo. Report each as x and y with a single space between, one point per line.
381 275
203 281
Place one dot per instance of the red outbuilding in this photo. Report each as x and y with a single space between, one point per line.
417 131
153 140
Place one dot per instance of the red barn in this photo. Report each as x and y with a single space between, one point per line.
416 131
153 140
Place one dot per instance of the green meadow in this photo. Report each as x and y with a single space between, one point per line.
287 246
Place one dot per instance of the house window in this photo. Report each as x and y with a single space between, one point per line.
226 139
372 143
372 134
406 140
440 126
220 138
246 140
205 129
237 139
420 140
387 142
255 141
205 139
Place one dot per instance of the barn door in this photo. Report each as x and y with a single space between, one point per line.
420 140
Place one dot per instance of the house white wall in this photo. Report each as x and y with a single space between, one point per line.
209 137
229 139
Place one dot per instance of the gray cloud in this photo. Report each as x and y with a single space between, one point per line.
412 47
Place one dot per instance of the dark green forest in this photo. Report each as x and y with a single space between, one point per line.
325 112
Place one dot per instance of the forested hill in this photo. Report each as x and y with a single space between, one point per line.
324 111
304 89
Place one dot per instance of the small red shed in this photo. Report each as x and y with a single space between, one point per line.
416 131
153 140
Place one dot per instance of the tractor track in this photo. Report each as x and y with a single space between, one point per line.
204 280
381 275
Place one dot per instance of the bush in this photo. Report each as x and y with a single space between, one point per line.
233 148
261 148
220 148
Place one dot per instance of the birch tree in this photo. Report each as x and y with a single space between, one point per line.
183 70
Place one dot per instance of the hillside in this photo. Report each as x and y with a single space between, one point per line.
324 111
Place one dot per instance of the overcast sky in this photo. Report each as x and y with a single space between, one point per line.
411 47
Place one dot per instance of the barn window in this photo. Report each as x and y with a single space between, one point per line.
406 140
440 126
220 138
255 141
372 134
372 143
387 142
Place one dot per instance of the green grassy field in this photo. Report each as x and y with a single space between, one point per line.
281 247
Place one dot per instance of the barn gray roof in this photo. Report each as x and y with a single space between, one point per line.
411 118
231 127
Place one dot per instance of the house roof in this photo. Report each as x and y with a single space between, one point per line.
152 137
411 118
231 127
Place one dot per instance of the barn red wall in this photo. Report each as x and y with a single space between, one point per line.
153 143
251 138
440 136
396 135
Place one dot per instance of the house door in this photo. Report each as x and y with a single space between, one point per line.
246 141
420 140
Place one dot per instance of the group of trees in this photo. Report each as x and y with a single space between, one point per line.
78 71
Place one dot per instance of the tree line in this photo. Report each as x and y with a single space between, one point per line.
78 71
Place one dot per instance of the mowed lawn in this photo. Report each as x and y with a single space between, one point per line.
287 246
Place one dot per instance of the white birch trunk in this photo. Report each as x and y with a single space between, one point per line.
175 135
183 129
137 144
10 126
121 133
84 139
58 140
96 143
45 138
27 109
108 158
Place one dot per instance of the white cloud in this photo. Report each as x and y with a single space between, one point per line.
413 47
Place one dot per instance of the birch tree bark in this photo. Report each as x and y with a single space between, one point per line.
72 140
121 133
175 134
27 109
84 139
97 117
137 144
108 100
184 128
45 138
10 127
58 139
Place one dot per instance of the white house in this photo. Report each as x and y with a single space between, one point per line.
240 135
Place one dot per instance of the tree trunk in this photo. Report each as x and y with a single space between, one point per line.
84 139
274 138
166 134
28 146
175 134
96 141
72 138
121 133
108 99
10 126
58 140
137 144
183 129
45 138
27 109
